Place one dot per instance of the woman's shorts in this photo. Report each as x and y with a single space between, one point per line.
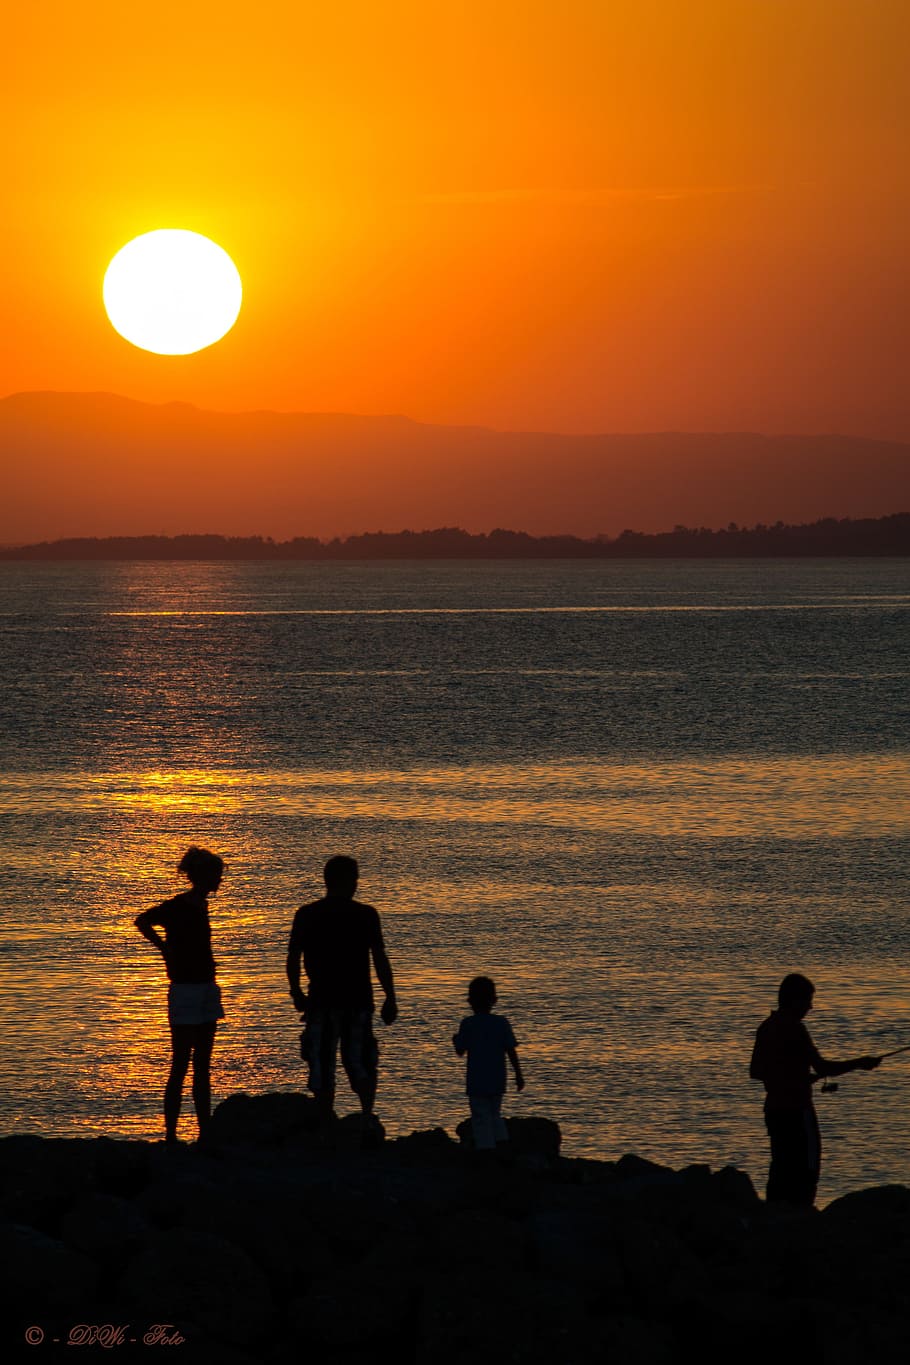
193 1003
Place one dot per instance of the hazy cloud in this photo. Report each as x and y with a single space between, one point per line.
589 196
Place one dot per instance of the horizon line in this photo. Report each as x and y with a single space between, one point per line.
502 536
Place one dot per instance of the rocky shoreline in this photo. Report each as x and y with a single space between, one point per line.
272 1246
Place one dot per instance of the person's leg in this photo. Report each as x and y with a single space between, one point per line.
793 1175
501 1132
203 1043
181 1049
483 1122
360 1058
813 1156
322 1031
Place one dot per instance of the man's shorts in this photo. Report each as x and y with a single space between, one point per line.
325 1029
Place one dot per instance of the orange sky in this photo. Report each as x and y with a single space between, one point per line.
619 215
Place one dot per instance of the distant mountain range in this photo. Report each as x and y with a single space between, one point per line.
878 536
100 465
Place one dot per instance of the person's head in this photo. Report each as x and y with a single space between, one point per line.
341 875
795 993
482 994
203 869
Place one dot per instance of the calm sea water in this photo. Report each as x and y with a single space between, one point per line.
636 794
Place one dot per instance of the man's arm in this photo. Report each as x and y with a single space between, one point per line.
512 1054
822 1067
389 1011
292 967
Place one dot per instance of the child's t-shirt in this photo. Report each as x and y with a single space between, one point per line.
486 1038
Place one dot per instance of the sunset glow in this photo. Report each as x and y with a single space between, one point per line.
646 215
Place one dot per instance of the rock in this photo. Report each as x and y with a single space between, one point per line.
205 1286
104 1227
465 1133
541 1137
744 1324
882 1204
41 1177
416 1254
635 1168
660 1269
265 1120
122 1168
528 1137
42 1276
167 1202
714 1232
511 1316
268 1226
734 1187
354 1133
430 1145
587 1171
637 1341
846 1335
579 1247
354 1221
474 1237
354 1308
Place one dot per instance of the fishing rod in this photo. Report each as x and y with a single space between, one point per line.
831 1087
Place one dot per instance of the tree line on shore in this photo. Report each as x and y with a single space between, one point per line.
827 537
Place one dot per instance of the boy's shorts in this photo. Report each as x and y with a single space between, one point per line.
325 1029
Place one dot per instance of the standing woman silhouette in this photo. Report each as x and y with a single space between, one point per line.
193 997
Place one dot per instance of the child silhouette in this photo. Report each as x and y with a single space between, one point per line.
487 1038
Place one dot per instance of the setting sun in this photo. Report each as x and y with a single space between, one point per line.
172 292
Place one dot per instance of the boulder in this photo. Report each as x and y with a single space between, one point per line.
579 1247
355 1308
122 1168
41 1177
354 1133
660 1269
427 1147
880 1206
534 1136
43 1276
637 1169
167 1202
353 1220
475 1237
269 1228
638 1341
735 1188
104 1227
208 1288
512 1316
274 1119
528 1137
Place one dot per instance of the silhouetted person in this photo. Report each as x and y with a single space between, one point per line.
488 1040
788 1062
193 997
337 936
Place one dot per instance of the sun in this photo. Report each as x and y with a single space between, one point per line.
172 292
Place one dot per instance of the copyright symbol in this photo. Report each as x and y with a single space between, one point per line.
34 1336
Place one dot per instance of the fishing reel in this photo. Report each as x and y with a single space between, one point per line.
830 1087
